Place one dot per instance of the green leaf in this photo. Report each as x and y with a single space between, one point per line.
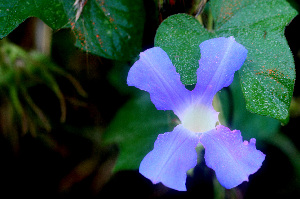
111 29
180 36
135 129
268 75
235 115
14 12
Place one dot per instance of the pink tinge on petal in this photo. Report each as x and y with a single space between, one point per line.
229 156
173 155
155 73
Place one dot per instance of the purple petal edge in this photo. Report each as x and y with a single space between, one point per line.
220 58
232 159
155 73
173 155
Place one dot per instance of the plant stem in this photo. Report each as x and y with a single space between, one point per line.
210 21
42 38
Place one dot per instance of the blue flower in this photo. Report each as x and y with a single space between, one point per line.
174 152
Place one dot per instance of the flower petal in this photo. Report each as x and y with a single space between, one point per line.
232 159
220 58
173 155
155 73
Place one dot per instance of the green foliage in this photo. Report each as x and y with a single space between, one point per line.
14 12
111 29
21 71
268 75
266 79
114 29
180 36
234 114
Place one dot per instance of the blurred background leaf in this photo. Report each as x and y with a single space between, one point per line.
135 128
21 72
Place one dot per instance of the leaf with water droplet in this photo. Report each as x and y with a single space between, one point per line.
268 75
14 12
180 36
111 29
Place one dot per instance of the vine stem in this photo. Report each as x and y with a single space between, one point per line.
43 36
210 21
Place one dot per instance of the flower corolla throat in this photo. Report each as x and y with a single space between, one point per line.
199 118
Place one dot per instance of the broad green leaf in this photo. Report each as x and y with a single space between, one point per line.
180 36
268 75
135 129
235 115
14 12
111 29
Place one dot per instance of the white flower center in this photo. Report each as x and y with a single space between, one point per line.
199 118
